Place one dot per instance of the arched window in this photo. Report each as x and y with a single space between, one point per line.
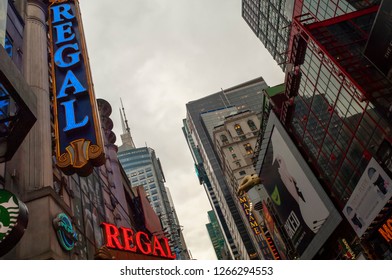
224 139
248 148
238 129
252 125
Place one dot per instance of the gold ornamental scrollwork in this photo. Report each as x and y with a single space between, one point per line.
57 1
81 156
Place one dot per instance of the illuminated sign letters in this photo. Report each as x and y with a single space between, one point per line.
126 239
252 221
79 144
386 230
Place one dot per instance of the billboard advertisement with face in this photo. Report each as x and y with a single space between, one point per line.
372 192
295 200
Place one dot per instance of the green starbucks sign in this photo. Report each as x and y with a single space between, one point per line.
13 220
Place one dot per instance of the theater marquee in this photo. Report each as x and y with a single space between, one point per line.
79 145
126 240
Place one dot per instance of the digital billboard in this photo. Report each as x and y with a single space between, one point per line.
297 204
373 191
300 206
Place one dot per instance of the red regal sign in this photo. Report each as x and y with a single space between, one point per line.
126 239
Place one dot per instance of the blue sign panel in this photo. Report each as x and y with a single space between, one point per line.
78 136
66 234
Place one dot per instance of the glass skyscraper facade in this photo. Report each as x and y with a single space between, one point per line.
139 165
216 236
337 110
270 21
202 115
143 168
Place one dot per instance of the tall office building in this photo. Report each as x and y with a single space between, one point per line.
216 236
144 168
337 110
234 141
202 116
204 180
270 21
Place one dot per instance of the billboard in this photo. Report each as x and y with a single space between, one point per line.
257 196
373 191
294 198
385 230
274 232
379 46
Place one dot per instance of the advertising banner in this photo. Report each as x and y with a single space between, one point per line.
274 232
294 199
385 230
372 192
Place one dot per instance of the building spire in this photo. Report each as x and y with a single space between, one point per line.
126 137
126 128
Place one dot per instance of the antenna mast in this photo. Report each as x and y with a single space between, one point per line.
125 118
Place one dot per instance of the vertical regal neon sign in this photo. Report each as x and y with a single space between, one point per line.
79 144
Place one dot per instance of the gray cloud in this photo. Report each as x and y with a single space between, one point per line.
157 55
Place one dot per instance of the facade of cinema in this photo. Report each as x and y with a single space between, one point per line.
62 186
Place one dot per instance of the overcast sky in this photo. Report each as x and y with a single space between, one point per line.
157 55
